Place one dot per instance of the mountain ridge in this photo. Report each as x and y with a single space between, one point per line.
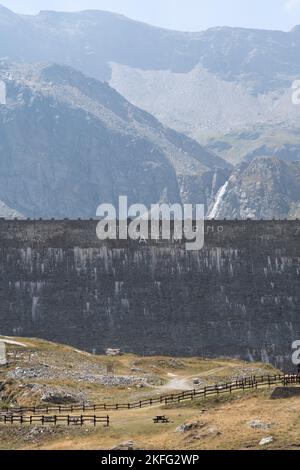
205 84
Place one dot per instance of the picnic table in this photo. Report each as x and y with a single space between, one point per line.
161 419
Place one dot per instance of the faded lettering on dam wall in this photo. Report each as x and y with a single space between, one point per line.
237 297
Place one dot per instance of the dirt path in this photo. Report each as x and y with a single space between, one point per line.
182 383
186 383
177 383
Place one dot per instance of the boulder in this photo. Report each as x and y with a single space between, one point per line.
127 445
257 424
186 427
266 440
285 392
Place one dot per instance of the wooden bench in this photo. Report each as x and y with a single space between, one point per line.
161 419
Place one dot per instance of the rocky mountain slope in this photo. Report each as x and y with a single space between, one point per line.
69 143
218 86
263 188
281 140
228 88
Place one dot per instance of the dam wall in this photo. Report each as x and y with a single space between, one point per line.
238 297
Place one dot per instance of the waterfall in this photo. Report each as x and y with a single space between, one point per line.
214 212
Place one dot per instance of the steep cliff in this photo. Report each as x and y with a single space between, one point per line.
262 188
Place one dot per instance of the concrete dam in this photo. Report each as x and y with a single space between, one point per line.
237 297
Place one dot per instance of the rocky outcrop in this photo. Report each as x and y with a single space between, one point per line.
280 393
264 188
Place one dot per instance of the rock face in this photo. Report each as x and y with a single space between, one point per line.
69 143
264 188
229 87
237 297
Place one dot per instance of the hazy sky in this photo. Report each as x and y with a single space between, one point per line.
182 14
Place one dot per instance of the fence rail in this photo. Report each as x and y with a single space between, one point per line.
253 382
10 418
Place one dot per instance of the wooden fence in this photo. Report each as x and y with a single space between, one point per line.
10 418
253 382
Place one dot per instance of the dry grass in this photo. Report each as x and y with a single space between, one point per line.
224 425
